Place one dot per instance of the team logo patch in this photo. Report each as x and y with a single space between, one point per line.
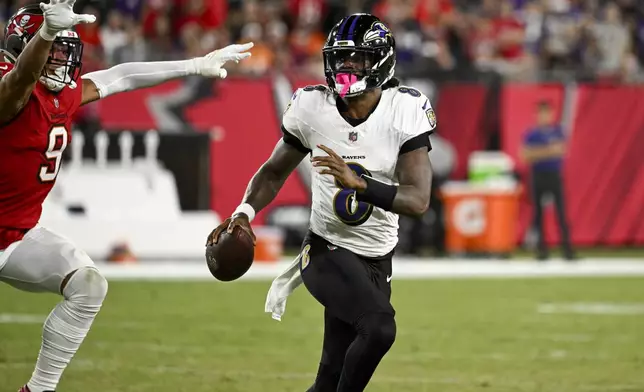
431 116
353 136
305 259
378 31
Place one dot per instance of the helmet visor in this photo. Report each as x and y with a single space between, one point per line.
349 60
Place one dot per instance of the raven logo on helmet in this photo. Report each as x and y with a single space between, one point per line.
378 32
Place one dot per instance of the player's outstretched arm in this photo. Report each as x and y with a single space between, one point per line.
133 76
262 189
17 84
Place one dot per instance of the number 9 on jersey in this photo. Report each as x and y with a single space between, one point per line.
346 207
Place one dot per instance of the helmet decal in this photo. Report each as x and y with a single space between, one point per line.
378 32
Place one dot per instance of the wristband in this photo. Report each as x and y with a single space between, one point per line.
46 35
378 193
247 210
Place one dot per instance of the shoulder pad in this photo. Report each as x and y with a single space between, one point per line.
310 97
5 68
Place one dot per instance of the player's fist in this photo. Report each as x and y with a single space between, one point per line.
59 16
335 166
211 65
238 220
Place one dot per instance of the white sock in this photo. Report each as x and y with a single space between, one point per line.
66 327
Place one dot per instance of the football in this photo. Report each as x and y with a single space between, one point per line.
231 257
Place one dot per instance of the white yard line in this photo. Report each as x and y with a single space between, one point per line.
593 308
15 318
402 269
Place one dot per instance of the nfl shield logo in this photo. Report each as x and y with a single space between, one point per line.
353 137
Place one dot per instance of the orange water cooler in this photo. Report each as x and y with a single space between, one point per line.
269 247
481 218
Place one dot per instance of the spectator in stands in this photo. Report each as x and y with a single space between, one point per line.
160 45
135 48
482 43
613 43
129 8
209 14
151 11
112 35
263 56
543 149
306 45
509 35
563 28
308 12
518 39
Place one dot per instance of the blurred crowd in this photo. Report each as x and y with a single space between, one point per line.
519 39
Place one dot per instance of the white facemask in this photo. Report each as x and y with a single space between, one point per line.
60 73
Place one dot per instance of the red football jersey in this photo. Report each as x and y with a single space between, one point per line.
31 149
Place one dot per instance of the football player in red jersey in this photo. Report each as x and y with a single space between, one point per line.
40 90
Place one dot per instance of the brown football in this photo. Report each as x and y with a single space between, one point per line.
231 257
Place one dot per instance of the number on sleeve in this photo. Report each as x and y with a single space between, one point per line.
429 111
408 90
54 154
317 87
346 207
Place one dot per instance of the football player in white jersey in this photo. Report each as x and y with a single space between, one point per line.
368 139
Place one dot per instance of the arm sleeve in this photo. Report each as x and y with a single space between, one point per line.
291 130
132 76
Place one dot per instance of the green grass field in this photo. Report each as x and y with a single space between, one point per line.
454 336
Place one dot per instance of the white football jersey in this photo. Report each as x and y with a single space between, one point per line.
372 147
